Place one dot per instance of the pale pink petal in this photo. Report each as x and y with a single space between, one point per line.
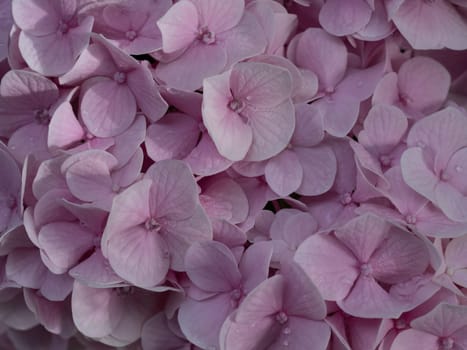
344 18
329 264
107 108
128 142
451 202
24 267
308 125
39 17
30 139
303 333
454 172
443 320
254 265
340 113
64 128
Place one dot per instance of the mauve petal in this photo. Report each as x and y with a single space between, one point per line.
454 172
96 311
173 137
423 84
24 266
431 25
55 54
107 108
301 297
128 142
201 321
386 91
455 253
39 17
174 195
303 333
183 74
89 180
319 169
230 134
361 83
129 209
65 243
329 264
412 338
284 173
146 93
157 334
95 272
30 139
452 203
26 91
340 112
323 54
139 256
254 265
344 18
401 257
308 125
219 16
179 26
368 299
212 267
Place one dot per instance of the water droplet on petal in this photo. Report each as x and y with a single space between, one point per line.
286 330
282 317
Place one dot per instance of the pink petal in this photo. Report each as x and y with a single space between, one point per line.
24 267
65 243
401 257
284 173
30 139
324 55
254 265
423 74
219 16
55 54
411 338
369 300
431 26
443 320
305 332
139 256
308 125
107 108
212 267
128 142
96 311
451 202
230 134
329 264
39 16
363 235
344 18
340 112
272 130
179 26
319 169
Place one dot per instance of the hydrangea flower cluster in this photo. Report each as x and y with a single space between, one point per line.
233 174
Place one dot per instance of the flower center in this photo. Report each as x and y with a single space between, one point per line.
400 324
346 198
42 116
206 36
131 35
446 344
63 27
385 160
236 105
124 291
410 219
152 225
282 317
120 77
366 270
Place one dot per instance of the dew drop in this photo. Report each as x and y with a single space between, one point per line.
282 317
131 35
286 330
